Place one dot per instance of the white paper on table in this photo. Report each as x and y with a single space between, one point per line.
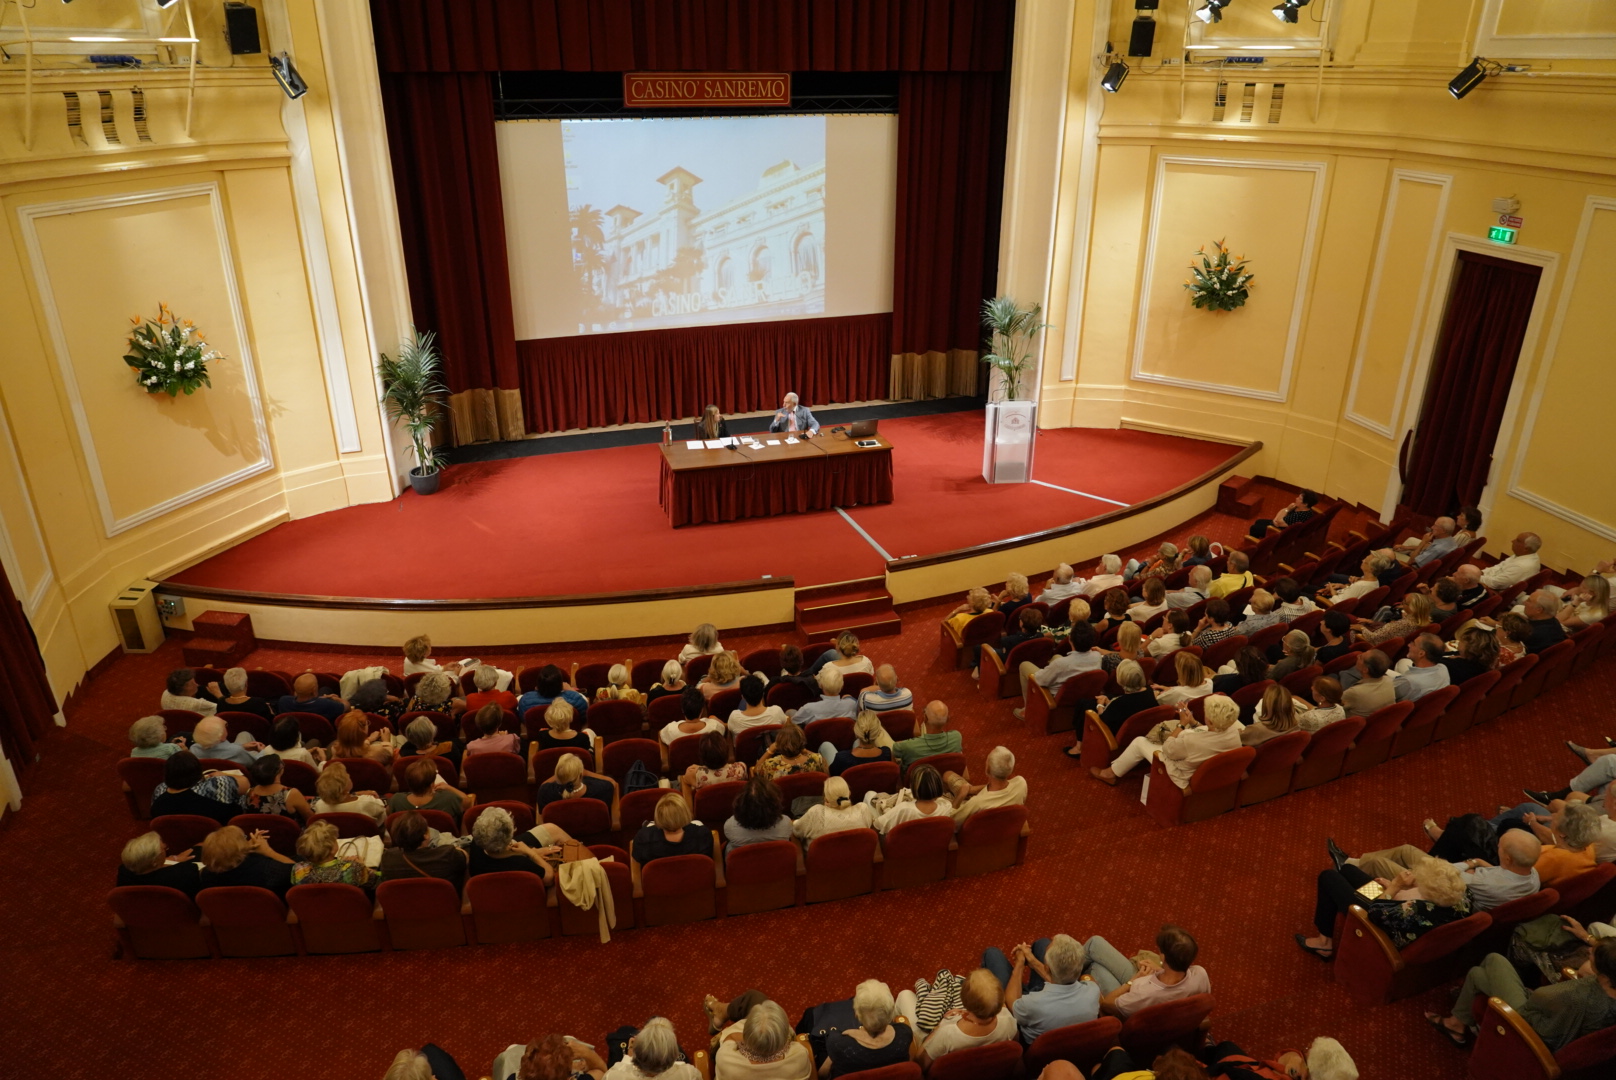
774 442
693 444
793 442
714 444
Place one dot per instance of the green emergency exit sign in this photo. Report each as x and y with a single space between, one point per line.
1500 235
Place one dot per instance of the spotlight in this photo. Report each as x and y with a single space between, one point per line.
285 74
167 3
1468 79
1289 11
1114 76
1213 12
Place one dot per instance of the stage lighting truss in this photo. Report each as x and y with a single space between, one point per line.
1115 72
1212 12
1474 73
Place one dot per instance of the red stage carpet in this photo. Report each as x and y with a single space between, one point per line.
589 522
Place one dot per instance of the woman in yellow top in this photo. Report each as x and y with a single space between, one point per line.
977 601
617 687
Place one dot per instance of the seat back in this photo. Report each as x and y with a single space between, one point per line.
441 720
679 889
1326 753
1038 651
989 840
521 815
715 802
583 819
368 775
237 722
300 775
644 674
637 809
348 824
1578 890
1149 1032
313 727
616 759
898 723
1076 693
157 923
760 877
497 775
1507 1048
590 677
445 767
1589 641
247 921
943 763
421 913
916 852
763 661
665 710
1300 682
1081 1044
1374 972
696 667
1269 774
796 785
855 683
751 743
1374 745
544 762
271 685
334 918
1417 730
576 921
836 730
181 831
507 906
1506 917
841 864
1461 711
283 831
435 819
1248 696
984 629
1212 790
1269 636
1497 701
1552 663
903 1070
683 752
878 776
1308 622
140 777
723 703
788 696
613 720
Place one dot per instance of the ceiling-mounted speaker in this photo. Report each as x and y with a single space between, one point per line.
1142 38
241 29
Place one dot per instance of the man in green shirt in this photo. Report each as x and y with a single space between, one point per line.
936 740
1559 1012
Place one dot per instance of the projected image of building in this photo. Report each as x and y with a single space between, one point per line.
761 255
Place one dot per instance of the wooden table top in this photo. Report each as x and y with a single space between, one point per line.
681 458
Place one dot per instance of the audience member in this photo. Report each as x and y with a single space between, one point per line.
789 754
486 679
149 736
428 1063
724 673
232 858
1477 654
936 739
1523 562
1130 646
1115 604
1198 551
791 662
1153 602
421 739
1248 667
886 694
1444 600
617 686
1587 604
1237 576
185 790
1275 716
1127 986
1423 671
1108 576
267 795
831 702
1186 747
978 601
572 781
306 697
422 790
982 1019
1567 832
1055 994
1216 624
1326 1059
1003 787
490 739
356 740
1295 512
208 741
1028 626
1438 542
337 796
146 861
495 847
558 732
923 798
1193 681
1559 1012
371 696
653 1054
1164 565
1488 886
1541 610
1327 708
837 813
1413 903
1336 630
671 831
1376 567
435 693
871 1041
1053 675
1471 590
1063 585
672 681
1136 696
1289 601
867 745
763 1050
322 863
1262 614
554 1057
182 692
754 713
758 815
715 764
1173 634
1200 581
418 657
703 642
411 855
845 656
1416 613
1512 632
697 722
236 698
1369 685
550 685
1297 653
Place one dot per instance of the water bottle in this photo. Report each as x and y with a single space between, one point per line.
667 432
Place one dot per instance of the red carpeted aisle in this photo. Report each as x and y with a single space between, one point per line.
589 521
1243 883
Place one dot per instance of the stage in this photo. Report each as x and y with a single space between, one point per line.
582 530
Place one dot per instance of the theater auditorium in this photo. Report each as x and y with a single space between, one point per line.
770 539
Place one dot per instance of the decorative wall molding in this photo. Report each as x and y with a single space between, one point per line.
1083 216
32 594
28 216
1492 44
1579 247
1304 271
1387 223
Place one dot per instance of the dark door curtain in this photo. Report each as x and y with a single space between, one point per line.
1471 373
27 704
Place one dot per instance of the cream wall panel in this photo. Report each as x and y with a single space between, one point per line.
22 545
98 260
1267 211
1405 259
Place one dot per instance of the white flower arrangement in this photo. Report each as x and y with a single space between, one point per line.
169 354
1220 282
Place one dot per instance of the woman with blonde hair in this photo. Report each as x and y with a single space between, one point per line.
836 813
1416 614
418 657
725 673
1276 715
572 781
671 831
1414 902
867 745
231 857
977 602
1298 652
1130 646
712 425
1136 696
789 754
703 642
617 687
320 862
435 693
1187 747
671 682
356 740
844 655
559 734
1017 594
1587 604
872 1041
763 1048
337 796
1163 565
1193 681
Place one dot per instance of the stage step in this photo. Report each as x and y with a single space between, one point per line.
1234 500
863 606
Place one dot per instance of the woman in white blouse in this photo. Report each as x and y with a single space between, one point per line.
1154 602
703 642
1193 681
845 657
837 813
926 785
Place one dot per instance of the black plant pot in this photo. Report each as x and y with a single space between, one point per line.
425 483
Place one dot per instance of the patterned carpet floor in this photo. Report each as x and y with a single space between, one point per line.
1242 883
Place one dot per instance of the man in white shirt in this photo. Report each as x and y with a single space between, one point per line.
794 418
1426 672
181 692
1063 585
1489 886
1195 592
1522 563
886 694
1109 577
1052 675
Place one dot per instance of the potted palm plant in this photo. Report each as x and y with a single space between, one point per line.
1011 419
411 393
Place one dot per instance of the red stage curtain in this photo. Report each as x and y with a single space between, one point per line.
440 129
692 35
27 706
1464 401
606 379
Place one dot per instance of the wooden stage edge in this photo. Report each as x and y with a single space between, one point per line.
502 623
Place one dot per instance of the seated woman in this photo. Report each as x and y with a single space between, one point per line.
490 739
1376 570
789 754
763 1049
145 861
1175 632
1130 646
421 740
420 791
671 831
1250 666
845 656
977 602
559 734
1336 629
1215 624
792 663
1580 607
671 682
485 677
236 698
985 1018
872 1040
319 861
653 1054
149 736
268 795
754 713
703 642
867 745
1262 614
231 857
1327 707
1567 830
412 856
1198 552
1016 594
1416 612
1477 652
758 815
925 799
371 696
1163 565
1029 626
1297 653
1276 715
185 790
1560 1012
715 764
1413 903
696 721
286 741
1187 747
1114 611
356 740
1513 631
572 781
1153 602
617 687
495 847
1193 681
837 813
337 796
725 673
711 425
435 693
554 1057
1136 696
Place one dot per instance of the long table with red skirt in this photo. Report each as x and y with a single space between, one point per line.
731 483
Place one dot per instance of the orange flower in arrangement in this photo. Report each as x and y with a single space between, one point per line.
1221 283
169 354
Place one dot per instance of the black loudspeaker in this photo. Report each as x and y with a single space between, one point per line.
241 29
1142 37
1145 5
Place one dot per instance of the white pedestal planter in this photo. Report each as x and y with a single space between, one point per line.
1007 442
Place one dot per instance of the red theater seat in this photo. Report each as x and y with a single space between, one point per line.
421 913
715 802
583 819
347 824
916 852
960 647
1461 711
507 906
446 769
435 819
1375 972
842 864
613 720
996 1061
1212 790
1081 1044
367 775
497 776
1100 746
1149 1032
283 831
1507 1048
1326 753
678 889
157 923
1270 772
1374 745
761 877
297 774
181 831
617 758
576 921
140 777
334 918
247 921
991 840
1049 714
877 776
1416 732
943 763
